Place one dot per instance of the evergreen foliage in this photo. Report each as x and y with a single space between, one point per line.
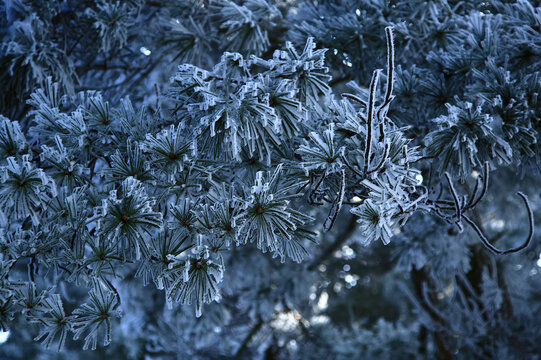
270 179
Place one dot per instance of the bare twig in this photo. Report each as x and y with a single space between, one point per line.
405 155
474 192
484 189
337 203
390 73
370 118
248 338
427 301
315 189
383 159
113 289
455 197
351 167
494 249
355 98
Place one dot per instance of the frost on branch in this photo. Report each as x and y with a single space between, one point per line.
194 280
24 189
127 216
94 317
465 140
293 141
269 220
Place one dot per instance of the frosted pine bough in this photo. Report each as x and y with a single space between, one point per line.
152 192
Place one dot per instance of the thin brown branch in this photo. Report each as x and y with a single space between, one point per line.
455 197
355 98
370 118
484 189
337 203
494 249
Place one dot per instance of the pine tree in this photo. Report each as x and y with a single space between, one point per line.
268 179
